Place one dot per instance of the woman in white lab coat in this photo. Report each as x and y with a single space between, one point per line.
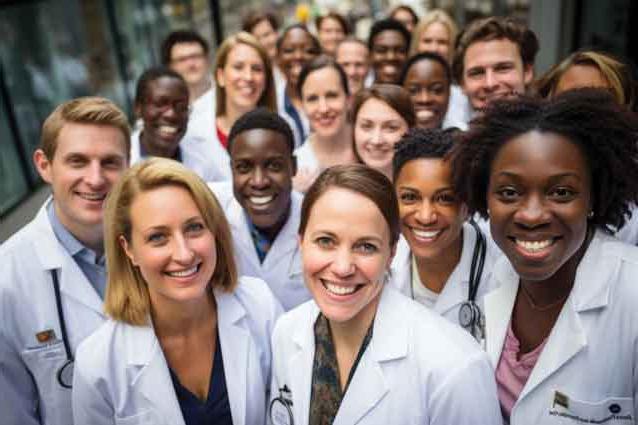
556 178
360 352
443 261
187 342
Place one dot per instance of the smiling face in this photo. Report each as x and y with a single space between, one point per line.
171 245
325 102
330 34
243 78
297 49
580 76
435 39
378 128
354 58
164 111
538 196
389 52
431 215
346 251
267 37
190 61
263 166
493 70
429 90
87 162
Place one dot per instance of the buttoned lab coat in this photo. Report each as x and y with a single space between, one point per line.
417 369
121 374
29 389
455 291
282 267
591 355
195 157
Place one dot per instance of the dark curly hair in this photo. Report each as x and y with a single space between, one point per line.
261 118
422 143
591 118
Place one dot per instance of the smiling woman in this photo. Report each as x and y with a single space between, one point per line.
556 178
360 352
174 300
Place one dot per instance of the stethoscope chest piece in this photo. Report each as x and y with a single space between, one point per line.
469 314
280 408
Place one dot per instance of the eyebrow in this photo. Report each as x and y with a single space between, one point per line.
552 177
163 227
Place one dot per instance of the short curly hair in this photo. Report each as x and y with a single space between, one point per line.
591 118
422 143
261 118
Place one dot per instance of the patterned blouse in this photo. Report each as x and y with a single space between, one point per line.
326 394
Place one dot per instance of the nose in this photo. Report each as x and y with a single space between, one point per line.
298 54
247 74
182 252
343 264
532 212
259 178
376 138
323 105
423 97
491 80
426 214
95 175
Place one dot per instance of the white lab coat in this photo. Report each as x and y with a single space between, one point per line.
121 374
281 108
194 157
30 393
455 291
591 354
417 369
282 267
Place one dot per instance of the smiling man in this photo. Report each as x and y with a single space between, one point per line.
388 43
161 101
260 205
494 58
53 271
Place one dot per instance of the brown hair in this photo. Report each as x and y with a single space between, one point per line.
618 75
337 17
395 96
83 110
254 17
362 180
268 98
494 28
127 297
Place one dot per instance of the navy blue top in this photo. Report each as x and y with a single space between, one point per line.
216 408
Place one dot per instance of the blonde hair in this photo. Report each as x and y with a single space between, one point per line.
83 110
616 73
268 98
127 298
436 15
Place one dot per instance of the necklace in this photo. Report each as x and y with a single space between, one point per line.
547 307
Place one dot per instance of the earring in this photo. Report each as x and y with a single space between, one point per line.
590 215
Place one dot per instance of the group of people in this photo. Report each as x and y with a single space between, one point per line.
410 229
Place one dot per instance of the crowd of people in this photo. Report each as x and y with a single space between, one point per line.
314 229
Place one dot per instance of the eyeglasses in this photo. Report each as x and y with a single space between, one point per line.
192 56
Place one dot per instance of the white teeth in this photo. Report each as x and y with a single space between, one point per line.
92 196
167 129
426 234
183 273
424 113
534 246
260 200
339 290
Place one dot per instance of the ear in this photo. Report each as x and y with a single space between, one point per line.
219 76
43 165
127 250
528 74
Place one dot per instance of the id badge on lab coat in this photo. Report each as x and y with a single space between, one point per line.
612 410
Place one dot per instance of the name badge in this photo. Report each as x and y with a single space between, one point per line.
281 408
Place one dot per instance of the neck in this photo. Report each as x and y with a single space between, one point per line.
226 121
273 231
91 237
292 94
350 334
558 285
195 91
339 144
153 150
435 272
172 318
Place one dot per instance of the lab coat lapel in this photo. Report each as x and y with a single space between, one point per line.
368 385
498 308
301 364
153 379
286 240
53 256
235 340
402 268
241 233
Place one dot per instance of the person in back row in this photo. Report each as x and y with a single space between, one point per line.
260 205
161 102
388 43
493 59
53 271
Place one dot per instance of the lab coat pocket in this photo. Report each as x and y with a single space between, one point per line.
146 417
612 410
44 362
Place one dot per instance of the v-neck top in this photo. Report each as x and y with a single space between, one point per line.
216 408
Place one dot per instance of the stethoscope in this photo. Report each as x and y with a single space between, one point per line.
65 373
470 316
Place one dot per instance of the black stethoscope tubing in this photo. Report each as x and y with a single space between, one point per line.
62 322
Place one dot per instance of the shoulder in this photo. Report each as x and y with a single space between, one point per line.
298 318
257 299
97 351
223 191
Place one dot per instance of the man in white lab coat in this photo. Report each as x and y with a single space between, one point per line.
261 207
53 272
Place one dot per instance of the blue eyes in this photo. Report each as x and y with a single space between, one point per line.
325 242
